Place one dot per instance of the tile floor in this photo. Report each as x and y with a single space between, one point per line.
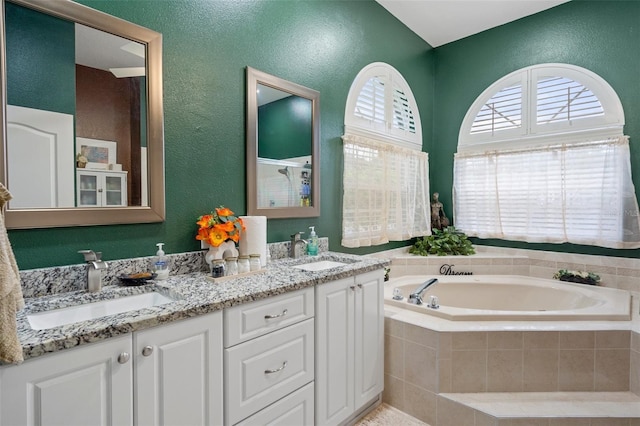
386 415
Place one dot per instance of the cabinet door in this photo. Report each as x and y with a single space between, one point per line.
80 386
114 192
178 378
88 190
369 337
334 351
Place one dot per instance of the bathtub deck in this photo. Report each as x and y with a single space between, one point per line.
504 407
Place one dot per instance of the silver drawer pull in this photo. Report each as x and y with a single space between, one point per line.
284 364
276 316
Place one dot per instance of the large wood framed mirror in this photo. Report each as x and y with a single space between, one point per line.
283 147
82 117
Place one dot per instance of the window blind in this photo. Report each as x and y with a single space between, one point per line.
579 193
560 99
370 102
501 112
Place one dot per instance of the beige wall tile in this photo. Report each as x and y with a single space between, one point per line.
613 339
577 340
420 404
610 421
421 335
634 373
451 413
612 370
444 375
540 370
541 340
575 370
569 422
420 366
444 345
635 341
394 356
393 327
393 393
483 419
468 371
468 340
505 340
504 371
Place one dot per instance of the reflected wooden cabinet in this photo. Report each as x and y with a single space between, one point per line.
101 188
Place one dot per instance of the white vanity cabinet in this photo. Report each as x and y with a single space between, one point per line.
101 188
178 373
86 385
350 346
170 374
269 361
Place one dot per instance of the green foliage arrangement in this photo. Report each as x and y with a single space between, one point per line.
582 277
445 242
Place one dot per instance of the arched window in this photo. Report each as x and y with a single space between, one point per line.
542 158
381 104
386 174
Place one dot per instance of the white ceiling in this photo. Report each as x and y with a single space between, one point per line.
440 22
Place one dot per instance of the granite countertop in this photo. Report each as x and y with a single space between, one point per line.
194 295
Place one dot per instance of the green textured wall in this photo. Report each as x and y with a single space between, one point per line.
284 128
602 36
207 44
40 61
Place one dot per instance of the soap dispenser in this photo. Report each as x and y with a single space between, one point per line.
312 244
160 264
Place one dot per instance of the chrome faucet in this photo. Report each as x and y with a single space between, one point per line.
416 296
296 240
94 271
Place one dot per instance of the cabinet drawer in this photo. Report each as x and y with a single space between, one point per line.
252 320
259 372
294 409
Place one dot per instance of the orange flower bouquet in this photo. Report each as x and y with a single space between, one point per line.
219 226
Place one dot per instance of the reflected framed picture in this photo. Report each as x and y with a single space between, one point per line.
99 153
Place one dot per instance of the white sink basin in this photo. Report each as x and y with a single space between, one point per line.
73 314
319 266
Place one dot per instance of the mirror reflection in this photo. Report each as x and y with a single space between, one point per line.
76 114
282 147
82 117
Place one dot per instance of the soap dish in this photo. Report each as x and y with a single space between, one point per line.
138 278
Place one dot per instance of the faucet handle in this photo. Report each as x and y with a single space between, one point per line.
297 235
90 255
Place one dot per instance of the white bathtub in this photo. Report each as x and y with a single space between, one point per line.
512 297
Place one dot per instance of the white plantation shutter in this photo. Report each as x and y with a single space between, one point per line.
381 105
565 178
560 99
370 102
386 174
502 112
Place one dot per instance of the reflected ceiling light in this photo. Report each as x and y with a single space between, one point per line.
128 72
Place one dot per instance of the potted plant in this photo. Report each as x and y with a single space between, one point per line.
581 277
443 242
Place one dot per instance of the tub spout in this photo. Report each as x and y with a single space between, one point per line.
416 296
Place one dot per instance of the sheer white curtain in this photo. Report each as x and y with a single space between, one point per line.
386 192
579 193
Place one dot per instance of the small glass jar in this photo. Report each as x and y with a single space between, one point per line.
218 268
232 265
254 262
243 264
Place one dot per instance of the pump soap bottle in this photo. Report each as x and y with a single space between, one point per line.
312 245
160 264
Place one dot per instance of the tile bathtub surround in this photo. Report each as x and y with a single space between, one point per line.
426 362
63 279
